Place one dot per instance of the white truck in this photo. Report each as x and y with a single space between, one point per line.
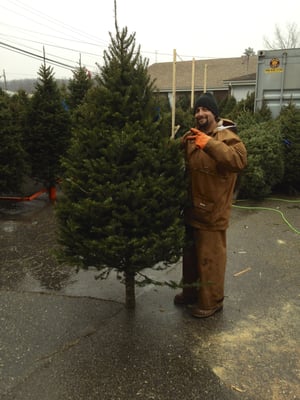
277 79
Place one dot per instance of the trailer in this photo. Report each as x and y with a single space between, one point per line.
277 79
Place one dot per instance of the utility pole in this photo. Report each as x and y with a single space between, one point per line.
4 79
44 56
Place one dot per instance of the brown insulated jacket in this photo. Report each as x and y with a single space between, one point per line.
212 174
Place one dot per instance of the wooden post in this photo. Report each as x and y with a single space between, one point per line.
205 79
173 96
193 83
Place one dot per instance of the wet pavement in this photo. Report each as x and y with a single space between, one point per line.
65 335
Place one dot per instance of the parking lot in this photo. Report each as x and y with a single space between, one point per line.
65 335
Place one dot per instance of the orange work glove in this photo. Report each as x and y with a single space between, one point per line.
200 138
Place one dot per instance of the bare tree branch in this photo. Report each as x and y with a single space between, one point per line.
284 40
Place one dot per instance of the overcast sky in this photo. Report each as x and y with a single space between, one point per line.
70 30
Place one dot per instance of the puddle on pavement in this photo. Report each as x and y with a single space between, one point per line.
9 226
27 256
27 243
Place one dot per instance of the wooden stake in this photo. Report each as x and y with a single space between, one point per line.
173 95
205 78
242 272
193 83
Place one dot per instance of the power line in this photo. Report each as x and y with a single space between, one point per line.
68 35
81 33
28 48
53 45
46 17
36 56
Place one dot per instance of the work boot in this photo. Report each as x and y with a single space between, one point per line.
180 299
202 313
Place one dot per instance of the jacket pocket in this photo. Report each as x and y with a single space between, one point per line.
204 210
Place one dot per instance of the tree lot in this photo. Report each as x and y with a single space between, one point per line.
107 139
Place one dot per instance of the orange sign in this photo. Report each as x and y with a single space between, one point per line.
274 66
274 63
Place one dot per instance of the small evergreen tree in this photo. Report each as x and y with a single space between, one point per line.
226 106
13 166
290 127
245 120
265 159
124 178
264 113
244 105
48 128
78 87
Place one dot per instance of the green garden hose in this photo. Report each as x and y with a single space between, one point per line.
272 209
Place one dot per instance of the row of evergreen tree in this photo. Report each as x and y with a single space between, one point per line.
36 131
273 146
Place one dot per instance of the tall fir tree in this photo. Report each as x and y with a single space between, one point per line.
13 165
48 128
123 191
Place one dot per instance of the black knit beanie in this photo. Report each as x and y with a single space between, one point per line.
208 101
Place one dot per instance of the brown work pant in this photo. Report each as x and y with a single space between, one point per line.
204 264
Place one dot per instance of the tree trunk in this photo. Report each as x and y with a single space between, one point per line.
130 290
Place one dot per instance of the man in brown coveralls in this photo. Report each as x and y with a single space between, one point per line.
214 156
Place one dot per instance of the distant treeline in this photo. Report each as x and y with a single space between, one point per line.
28 85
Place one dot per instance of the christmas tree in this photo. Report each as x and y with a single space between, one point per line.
290 124
123 187
78 87
48 124
13 165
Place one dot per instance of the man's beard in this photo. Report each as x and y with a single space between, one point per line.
202 124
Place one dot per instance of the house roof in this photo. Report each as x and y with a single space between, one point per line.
248 77
217 71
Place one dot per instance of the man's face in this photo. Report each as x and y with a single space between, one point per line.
204 118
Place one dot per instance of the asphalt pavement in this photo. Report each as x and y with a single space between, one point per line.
65 335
